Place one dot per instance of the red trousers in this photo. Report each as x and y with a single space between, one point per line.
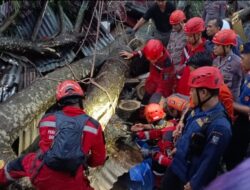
46 178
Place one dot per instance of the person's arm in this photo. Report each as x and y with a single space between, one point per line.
94 144
151 134
244 15
47 131
241 108
139 24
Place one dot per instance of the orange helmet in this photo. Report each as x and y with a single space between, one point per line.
225 37
68 88
153 49
194 25
153 112
177 101
206 77
176 17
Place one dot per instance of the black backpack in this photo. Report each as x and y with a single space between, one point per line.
66 153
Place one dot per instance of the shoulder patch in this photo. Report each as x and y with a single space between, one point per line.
215 137
248 85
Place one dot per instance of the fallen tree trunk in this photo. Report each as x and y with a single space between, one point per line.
20 110
102 98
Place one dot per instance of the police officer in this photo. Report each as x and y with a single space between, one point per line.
227 61
205 136
33 165
241 131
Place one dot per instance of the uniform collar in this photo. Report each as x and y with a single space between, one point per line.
216 108
72 111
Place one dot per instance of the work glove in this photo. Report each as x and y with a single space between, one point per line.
130 32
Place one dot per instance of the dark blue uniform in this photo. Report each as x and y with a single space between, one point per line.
245 92
200 169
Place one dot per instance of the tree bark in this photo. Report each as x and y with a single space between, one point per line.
102 100
19 111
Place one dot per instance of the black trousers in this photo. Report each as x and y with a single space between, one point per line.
171 181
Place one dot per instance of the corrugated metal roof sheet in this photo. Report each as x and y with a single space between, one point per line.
50 27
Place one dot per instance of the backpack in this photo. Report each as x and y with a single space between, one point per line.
66 153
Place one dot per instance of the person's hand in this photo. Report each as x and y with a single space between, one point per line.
172 153
126 54
137 127
130 31
235 17
178 131
187 186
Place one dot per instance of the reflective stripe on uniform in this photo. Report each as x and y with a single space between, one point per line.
90 129
48 124
146 133
140 53
160 159
7 174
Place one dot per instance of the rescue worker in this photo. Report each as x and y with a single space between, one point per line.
37 166
214 10
161 158
159 13
177 40
225 95
198 60
166 115
205 137
195 43
161 79
227 61
241 131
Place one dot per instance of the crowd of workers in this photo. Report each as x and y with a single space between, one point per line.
196 104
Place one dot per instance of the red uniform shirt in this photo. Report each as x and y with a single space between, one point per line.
182 83
162 76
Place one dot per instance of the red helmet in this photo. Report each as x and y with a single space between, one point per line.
206 77
153 112
68 88
176 17
178 102
225 37
153 49
194 25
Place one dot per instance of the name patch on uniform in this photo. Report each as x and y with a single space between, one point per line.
215 139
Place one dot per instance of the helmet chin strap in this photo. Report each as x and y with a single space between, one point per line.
195 39
201 103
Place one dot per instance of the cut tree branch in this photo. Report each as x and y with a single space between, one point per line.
80 16
39 21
